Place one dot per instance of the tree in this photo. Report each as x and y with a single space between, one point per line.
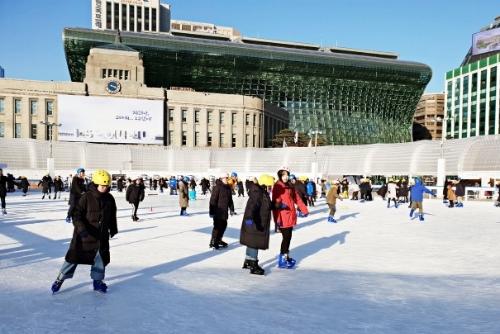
303 139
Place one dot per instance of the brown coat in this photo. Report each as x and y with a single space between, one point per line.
451 195
331 197
183 194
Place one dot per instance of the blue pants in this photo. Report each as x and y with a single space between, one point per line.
96 271
251 253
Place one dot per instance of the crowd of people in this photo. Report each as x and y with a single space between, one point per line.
282 198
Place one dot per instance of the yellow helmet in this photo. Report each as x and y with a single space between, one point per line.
266 180
101 177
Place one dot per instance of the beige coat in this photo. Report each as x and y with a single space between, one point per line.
183 195
331 197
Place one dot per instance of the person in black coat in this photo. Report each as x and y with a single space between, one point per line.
10 183
94 220
77 189
241 190
119 183
256 221
3 191
58 186
135 195
460 193
205 185
221 201
46 183
24 184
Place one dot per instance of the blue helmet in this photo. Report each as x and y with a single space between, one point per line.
80 170
234 174
185 179
292 177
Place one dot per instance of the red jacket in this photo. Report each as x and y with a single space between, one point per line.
284 194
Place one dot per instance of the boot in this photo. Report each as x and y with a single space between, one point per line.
255 268
56 286
100 286
411 213
388 203
43 197
222 244
282 263
4 211
290 263
213 244
421 217
331 220
246 264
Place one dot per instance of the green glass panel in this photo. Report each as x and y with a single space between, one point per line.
483 63
474 66
449 75
456 72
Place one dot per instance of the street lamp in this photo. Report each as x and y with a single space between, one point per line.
52 125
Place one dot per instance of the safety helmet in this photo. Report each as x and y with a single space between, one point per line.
266 180
185 179
234 174
101 178
80 170
285 169
292 177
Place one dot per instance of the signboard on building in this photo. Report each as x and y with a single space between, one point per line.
110 120
486 41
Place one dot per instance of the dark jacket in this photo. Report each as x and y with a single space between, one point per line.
135 193
220 201
460 189
3 185
95 214
300 188
77 187
258 209
58 185
119 184
24 184
46 183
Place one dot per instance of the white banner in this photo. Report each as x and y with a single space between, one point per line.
110 120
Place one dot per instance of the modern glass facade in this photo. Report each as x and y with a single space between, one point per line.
472 107
350 98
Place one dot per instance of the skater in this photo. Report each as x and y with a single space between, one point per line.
10 183
173 185
256 221
241 190
417 196
221 201
392 190
460 193
182 184
119 183
46 183
58 186
345 188
3 191
135 195
94 220
285 198
445 191
310 192
76 191
24 184
355 191
192 190
331 200
451 196
205 186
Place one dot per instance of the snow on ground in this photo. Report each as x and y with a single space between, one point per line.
376 271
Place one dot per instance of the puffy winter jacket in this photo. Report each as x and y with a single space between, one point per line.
285 198
310 188
417 191
135 193
221 200
258 210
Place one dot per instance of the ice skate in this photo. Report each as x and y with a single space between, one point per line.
100 286
56 286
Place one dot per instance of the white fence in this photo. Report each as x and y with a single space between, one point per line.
472 156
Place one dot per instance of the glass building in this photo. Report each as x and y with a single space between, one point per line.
350 96
472 107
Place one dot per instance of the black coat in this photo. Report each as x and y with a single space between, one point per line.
58 185
95 213
300 188
220 201
46 183
135 193
460 189
3 185
77 188
258 209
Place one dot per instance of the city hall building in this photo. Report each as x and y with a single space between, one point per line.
472 90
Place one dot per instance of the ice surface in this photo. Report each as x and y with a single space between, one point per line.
376 271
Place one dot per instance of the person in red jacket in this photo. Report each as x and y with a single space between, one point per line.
285 198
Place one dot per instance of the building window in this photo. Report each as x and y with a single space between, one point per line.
2 129
221 139
124 17
2 105
254 120
120 74
170 136
233 140
33 131
103 73
131 19
184 138
209 117
139 19
117 16
197 116
126 75
233 118
33 107
48 135
221 117
247 140
209 139
254 139
196 138
50 107
146 19
108 15
247 119
153 19
17 130
17 106
170 114
184 115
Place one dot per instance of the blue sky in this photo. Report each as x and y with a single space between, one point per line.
434 32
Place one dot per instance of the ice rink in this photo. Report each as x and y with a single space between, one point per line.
376 271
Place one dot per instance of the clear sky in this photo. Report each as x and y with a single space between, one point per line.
435 32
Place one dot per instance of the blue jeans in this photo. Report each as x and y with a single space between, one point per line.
251 253
96 271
